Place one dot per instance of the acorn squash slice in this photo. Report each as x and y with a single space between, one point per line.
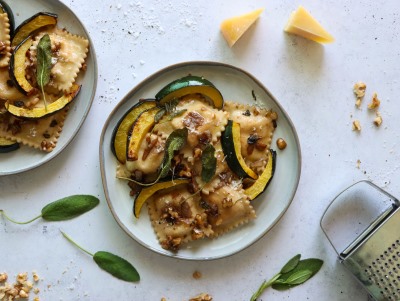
230 140
40 112
17 68
147 192
138 131
7 145
119 138
5 8
264 179
29 26
191 85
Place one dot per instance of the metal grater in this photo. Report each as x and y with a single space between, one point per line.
363 225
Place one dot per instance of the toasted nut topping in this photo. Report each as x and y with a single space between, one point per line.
280 143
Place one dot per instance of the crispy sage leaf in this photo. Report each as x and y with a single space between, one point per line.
159 115
43 67
174 114
69 207
176 140
116 266
208 163
291 264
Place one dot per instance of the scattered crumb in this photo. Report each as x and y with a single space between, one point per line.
3 277
201 297
197 275
378 119
356 125
375 102
359 90
358 163
35 277
163 299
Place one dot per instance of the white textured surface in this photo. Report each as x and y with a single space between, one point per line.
313 83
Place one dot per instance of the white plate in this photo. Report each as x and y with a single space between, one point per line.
234 84
27 158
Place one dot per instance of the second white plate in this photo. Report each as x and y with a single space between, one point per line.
235 85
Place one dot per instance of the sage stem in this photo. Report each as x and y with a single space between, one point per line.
263 286
75 244
16 222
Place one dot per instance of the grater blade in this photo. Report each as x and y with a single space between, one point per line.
375 262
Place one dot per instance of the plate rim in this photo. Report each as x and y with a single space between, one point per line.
92 52
144 82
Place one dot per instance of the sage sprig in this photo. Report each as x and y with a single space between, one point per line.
293 273
43 67
112 264
62 209
208 163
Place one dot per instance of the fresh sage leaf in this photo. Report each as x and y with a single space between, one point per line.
62 209
293 273
69 207
112 264
291 264
116 266
175 141
208 163
43 67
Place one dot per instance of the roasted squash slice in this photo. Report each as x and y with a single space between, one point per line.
264 179
17 67
191 85
7 145
147 192
40 112
120 135
230 140
138 131
29 26
5 8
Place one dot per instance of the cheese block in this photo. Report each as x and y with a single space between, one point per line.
301 23
233 28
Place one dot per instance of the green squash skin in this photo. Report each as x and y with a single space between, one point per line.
8 147
4 7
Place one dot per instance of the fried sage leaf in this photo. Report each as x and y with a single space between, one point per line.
62 209
208 163
112 264
43 67
176 140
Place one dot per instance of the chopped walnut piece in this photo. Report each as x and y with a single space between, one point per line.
196 275
3 277
378 119
359 90
375 102
356 125
201 297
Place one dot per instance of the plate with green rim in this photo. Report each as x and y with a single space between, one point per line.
26 158
236 85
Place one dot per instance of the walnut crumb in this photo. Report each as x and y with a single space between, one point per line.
378 119
201 297
359 90
197 275
3 277
356 125
375 102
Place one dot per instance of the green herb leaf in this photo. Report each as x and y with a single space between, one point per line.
159 115
116 266
208 163
43 67
176 140
291 264
311 265
69 207
293 273
174 114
